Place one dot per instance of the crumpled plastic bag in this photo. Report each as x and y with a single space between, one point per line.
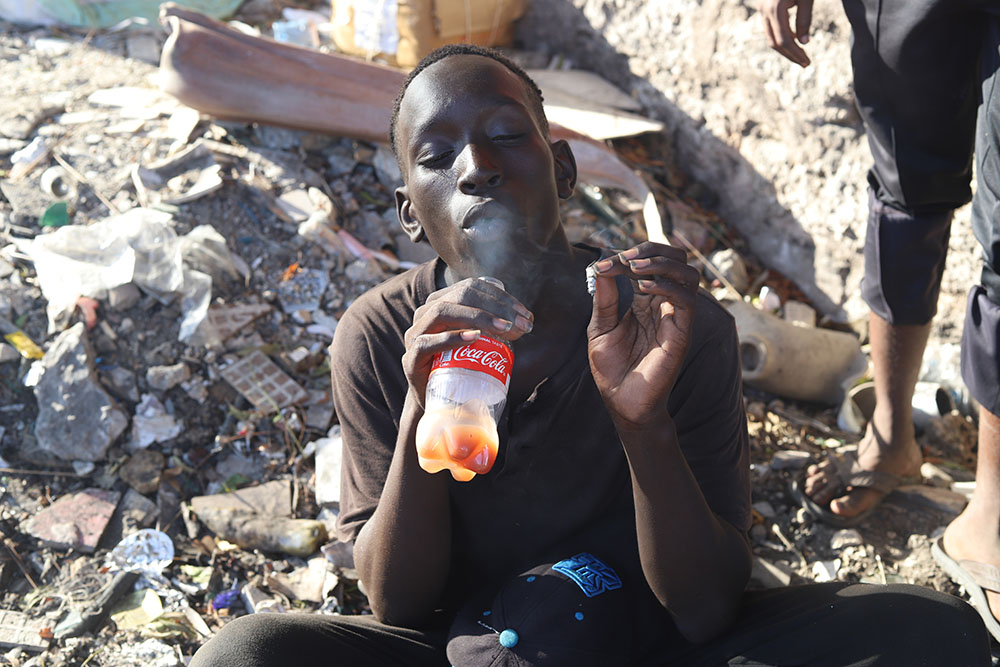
101 13
138 246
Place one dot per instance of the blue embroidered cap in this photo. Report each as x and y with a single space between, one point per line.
573 613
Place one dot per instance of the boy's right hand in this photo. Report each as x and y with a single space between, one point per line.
778 28
455 316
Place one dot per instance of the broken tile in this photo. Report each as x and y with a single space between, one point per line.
75 521
228 320
262 383
18 630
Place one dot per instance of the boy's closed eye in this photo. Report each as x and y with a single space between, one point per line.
435 159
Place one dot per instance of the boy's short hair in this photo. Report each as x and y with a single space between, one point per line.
467 50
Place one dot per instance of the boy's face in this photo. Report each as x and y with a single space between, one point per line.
482 180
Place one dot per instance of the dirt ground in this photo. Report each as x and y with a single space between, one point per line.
225 444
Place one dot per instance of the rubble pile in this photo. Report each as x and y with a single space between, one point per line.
169 284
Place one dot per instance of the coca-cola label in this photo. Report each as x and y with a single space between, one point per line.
485 355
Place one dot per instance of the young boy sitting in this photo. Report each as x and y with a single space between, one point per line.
612 528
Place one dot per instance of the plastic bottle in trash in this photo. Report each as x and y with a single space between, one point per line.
466 393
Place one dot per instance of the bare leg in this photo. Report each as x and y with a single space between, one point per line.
896 352
975 534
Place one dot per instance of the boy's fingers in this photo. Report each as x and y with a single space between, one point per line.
429 344
680 273
447 316
803 19
679 296
604 316
483 295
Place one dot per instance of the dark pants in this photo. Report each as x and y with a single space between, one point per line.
820 624
925 79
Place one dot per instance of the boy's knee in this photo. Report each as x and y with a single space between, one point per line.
247 641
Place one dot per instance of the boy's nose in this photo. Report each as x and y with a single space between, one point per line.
478 171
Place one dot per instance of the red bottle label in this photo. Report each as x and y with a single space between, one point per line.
484 355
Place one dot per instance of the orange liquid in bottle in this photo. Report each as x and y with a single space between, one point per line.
462 439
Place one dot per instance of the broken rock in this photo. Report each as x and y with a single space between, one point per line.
164 378
75 521
142 471
77 418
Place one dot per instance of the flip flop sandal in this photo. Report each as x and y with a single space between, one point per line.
852 475
976 578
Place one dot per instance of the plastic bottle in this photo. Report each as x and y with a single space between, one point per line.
466 393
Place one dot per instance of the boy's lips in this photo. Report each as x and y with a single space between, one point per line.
483 210
486 221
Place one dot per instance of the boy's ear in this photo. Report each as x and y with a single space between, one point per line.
565 168
404 210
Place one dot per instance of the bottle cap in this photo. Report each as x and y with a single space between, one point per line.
493 281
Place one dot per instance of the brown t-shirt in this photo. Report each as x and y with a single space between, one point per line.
561 482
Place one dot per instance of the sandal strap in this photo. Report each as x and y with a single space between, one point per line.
987 576
853 475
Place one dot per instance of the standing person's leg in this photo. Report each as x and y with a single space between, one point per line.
279 640
918 99
975 534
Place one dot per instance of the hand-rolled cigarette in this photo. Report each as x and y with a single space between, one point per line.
591 279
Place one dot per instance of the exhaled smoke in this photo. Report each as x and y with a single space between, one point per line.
517 260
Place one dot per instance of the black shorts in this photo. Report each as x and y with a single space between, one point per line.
925 78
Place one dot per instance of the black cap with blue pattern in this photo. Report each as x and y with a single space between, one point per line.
574 612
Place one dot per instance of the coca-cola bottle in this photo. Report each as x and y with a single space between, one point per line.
466 393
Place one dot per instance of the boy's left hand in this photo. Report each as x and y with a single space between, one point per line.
635 361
